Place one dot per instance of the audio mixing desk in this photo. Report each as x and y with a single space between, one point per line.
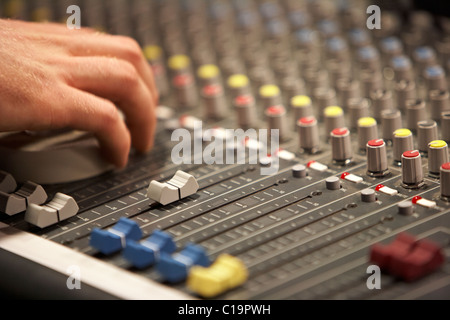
349 197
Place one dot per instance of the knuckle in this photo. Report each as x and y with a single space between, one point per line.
132 50
128 75
109 115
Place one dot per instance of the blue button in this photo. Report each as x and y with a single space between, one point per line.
328 27
114 239
367 53
358 36
298 19
434 72
269 10
424 53
146 253
305 36
247 19
401 62
391 44
276 28
175 268
336 44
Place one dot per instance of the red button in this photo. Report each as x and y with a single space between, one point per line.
376 143
212 90
344 175
411 154
243 100
340 132
182 80
446 166
310 163
378 187
415 199
275 110
307 120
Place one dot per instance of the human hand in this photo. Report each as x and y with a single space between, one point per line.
53 78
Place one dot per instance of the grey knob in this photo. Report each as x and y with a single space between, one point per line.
341 146
309 134
333 183
445 181
276 117
439 103
381 101
405 90
214 101
347 89
367 130
377 164
185 91
402 67
7 182
437 156
415 112
299 171
390 121
412 173
334 118
323 97
405 208
403 141
357 108
435 78
427 131
245 110
445 126
370 81
368 195
424 57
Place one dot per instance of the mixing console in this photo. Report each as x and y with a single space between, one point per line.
361 176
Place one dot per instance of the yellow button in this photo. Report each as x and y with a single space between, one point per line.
240 273
208 71
179 62
402 132
437 144
152 53
205 283
238 81
269 90
226 273
333 111
367 122
301 101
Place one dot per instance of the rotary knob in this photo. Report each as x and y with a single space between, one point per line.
412 173
308 134
377 165
445 181
341 147
437 156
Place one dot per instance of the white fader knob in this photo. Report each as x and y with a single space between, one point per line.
61 208
182 185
